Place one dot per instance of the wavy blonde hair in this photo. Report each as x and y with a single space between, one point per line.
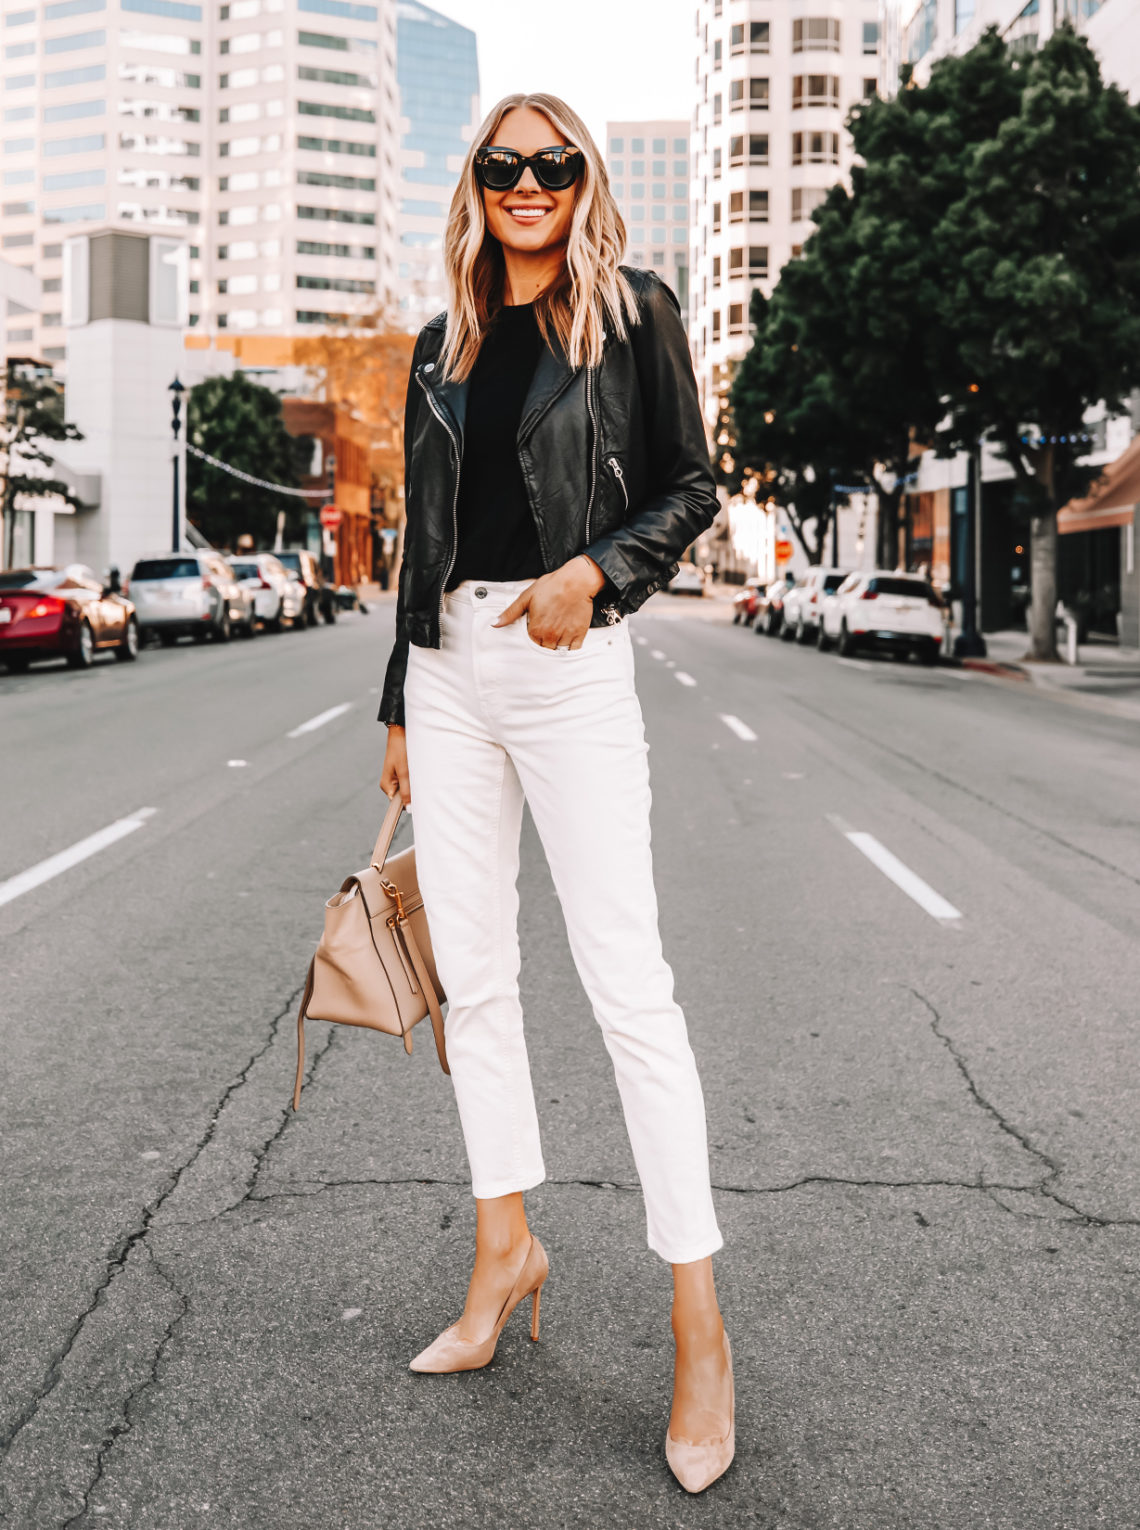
591 290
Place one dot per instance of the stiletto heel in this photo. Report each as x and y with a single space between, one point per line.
451 1353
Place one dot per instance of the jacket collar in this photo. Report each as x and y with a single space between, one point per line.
552 376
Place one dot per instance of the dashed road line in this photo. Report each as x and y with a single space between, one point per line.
656 653
679 674
35 876
319 721
901 875
741 729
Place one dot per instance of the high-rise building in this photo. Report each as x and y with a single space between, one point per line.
774 84
648 164
438 73
266 131
923 31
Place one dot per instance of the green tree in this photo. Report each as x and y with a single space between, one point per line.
241 423
1038 319
32 416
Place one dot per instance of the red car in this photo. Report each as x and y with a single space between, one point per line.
68 613
746 601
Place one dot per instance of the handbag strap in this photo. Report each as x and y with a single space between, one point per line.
429 993
387 831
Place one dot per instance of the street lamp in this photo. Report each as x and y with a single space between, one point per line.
176 390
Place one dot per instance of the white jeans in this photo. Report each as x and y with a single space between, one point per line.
492 717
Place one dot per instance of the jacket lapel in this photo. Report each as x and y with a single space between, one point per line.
552 376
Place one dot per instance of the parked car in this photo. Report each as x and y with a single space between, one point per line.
801 606
688 580
882 609
48 612
190 594
746 601
277 598
828 613
770 605
305 568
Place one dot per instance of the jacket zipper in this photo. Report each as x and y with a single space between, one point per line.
594 445
615 467
455 494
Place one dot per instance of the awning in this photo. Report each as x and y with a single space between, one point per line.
1112 497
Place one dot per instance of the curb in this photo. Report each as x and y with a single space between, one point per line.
995 667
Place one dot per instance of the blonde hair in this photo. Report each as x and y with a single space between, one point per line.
590 291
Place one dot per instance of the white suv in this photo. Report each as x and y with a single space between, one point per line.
802 604
883 609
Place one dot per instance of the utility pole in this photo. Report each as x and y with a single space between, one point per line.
970 644
176 390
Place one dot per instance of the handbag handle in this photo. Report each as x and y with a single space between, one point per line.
387 830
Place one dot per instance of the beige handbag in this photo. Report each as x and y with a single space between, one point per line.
374 965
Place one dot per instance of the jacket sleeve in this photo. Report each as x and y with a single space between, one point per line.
681 500
392 697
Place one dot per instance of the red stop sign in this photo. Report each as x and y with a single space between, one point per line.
330 516
783 550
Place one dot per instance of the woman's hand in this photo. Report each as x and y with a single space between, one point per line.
394 776
560 606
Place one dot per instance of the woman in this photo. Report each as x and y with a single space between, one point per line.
556 469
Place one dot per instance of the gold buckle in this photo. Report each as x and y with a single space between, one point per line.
394 893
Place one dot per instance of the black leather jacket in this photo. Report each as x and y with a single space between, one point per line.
614 458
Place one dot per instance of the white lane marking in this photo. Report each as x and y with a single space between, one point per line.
655 653
319 721
679 674
642 640
902 876
670 664
15 886
741 729
236 764
793 775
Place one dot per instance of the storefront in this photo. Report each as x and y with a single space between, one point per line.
1096 559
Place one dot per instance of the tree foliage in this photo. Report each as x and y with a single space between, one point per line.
241 423
32 416
980 276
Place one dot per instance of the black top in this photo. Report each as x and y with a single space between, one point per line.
497 536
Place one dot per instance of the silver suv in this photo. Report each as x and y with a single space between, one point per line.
190 594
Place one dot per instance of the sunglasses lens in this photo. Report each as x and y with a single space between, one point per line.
498 171
557 171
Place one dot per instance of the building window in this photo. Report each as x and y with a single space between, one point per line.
617 166
805 200
754 261
716 325
815 34
657 191
736 318
637 145
815 90
718 104
718 56
815 148
871 30
658 258
749 37
758 95
757 148
716 218
637 167
870 87
963 15
716 164
617 145
716 272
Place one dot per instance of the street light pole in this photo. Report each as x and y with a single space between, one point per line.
970 644
176 390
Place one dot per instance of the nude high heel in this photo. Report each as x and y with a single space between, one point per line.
451 1353
697 1466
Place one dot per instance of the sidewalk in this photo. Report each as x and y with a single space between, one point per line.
1106 679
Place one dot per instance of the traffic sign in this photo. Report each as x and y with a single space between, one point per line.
330 517
784 549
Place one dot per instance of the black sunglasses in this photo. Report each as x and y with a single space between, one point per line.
556 168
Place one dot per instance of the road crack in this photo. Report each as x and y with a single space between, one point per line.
120 1253
1045 1186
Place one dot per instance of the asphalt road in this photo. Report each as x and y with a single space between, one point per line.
922 1098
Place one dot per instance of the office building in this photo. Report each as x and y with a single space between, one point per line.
648 164
923 31
266 131
775 80
438 75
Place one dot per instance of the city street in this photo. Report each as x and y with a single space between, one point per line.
903 909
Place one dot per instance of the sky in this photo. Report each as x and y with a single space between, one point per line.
608 59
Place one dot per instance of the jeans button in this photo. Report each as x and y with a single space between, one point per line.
480 592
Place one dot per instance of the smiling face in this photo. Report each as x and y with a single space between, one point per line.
528 219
